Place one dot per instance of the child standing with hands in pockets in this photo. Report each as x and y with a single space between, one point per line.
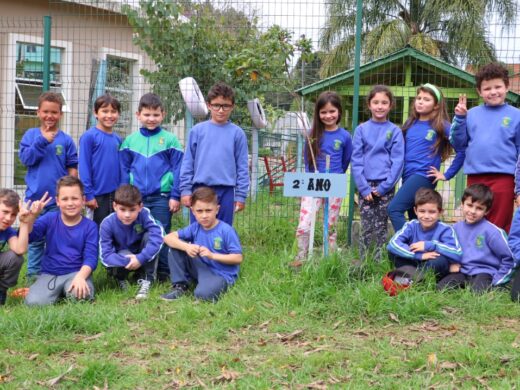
377 163
426 146
326 138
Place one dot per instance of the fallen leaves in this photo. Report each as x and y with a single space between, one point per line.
226 376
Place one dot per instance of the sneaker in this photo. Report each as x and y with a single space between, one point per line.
3 297
144 288
178 290
123 284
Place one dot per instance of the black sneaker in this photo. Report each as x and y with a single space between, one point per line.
3 297
123 284
178 290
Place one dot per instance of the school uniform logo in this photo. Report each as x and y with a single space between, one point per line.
59 150
430 135
217 243
337 144
138 228
479 241
161 141
506 121
389 135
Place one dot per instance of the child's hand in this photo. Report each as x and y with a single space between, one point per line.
239 206
133 264
79 287
49 134
461 108
438 175
376 193
517 200
37 206
92 204
192 250
24 215
369 198
430 255
174 205
186 200
417 246
454 268
206 252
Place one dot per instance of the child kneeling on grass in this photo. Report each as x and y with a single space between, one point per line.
71 248
208 251
130 240
425 243
487 260
11 260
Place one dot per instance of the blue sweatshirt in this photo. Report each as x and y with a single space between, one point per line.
419 155
5 236
116 236
151 161
338 145
46 162
514 238
378 154
67 248
216 155
440 238
485 250
221 239
99 168
491 137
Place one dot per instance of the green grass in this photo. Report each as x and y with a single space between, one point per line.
330 325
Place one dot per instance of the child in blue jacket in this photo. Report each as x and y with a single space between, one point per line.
426 243
487 260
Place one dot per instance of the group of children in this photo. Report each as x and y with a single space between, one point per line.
133 188
486 139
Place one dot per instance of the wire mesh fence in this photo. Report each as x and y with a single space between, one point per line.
283 52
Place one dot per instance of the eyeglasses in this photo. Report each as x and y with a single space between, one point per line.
217 107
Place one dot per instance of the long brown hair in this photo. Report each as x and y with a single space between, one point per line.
313 147
438 122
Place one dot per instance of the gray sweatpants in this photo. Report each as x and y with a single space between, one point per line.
49 288
10 265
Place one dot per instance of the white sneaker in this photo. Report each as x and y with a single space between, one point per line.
144 288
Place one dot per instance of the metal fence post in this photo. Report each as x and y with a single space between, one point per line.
47 22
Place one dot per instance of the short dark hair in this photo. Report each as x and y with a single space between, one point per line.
491 71
150 100
480 193
69 181
128 195
204 194
427 195
221 89
10 199
107 100
52 97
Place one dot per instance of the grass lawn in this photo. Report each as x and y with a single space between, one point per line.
329 326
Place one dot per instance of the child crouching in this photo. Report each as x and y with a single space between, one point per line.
207 252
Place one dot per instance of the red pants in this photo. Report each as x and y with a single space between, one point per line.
503 188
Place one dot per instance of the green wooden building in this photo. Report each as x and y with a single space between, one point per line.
403 71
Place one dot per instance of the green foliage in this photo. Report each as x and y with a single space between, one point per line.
210 44
455 31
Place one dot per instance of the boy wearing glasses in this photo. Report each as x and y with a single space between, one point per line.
150 159
216 156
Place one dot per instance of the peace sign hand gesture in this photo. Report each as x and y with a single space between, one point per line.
462 107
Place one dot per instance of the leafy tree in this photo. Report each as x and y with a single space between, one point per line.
209 44
454 30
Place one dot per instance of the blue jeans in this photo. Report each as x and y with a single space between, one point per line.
404 200
184 270
37 249
160 210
